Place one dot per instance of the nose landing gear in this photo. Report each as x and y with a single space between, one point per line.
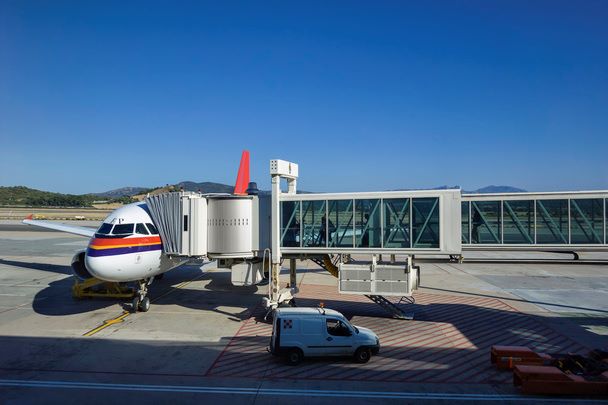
141 301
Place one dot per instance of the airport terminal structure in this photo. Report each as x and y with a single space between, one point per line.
249 233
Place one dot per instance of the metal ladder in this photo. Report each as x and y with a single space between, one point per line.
318 261
391 308
387 305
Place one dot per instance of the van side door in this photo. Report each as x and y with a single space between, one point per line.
313 336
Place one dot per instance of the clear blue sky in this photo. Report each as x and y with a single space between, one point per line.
365 96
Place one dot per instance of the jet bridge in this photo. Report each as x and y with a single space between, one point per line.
389 222
383 231
236 230
366 225
546 221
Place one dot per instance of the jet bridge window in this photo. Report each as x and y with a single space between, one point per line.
367 223
104 229
397 223
123 229
341 217
314 223
290 223
141 229
425 222
586 220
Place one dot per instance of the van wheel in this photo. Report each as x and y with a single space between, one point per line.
294 357
362 355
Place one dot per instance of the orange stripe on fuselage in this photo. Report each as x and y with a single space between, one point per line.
101 243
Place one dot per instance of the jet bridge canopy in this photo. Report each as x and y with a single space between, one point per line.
396 222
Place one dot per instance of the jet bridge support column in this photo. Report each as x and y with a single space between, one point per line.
289 171
293 282
275 270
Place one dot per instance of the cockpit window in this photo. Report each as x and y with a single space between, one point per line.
123 229
152 229
140 228
104 229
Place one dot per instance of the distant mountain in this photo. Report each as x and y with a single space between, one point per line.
20 195
205 187
121 192
483 190
496 189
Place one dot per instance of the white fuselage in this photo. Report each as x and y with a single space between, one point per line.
127 247
130 266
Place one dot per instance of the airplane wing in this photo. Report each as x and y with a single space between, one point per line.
76 230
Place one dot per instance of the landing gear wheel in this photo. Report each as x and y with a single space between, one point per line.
294 357
292 303
362 355
135 304
144 305
141 301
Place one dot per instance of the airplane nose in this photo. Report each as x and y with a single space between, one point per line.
114 268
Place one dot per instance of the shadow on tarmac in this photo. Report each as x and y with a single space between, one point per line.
53 268
56 300
109 356
172 289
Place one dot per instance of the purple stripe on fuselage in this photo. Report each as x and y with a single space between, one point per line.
122 250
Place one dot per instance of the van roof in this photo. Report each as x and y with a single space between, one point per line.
307 311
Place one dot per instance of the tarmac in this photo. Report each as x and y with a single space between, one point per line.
204 339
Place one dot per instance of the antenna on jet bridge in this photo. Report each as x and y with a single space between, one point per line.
242 178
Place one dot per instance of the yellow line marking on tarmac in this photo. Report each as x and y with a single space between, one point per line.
120 318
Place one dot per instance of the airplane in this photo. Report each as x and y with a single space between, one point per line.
127 246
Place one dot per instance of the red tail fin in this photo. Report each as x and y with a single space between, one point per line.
242 178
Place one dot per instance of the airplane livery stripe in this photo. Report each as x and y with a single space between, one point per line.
99 243
96 247
92 252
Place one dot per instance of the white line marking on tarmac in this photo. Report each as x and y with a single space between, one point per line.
280 392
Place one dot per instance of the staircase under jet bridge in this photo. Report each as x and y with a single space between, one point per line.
373 279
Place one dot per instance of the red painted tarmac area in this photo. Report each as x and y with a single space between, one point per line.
448 341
